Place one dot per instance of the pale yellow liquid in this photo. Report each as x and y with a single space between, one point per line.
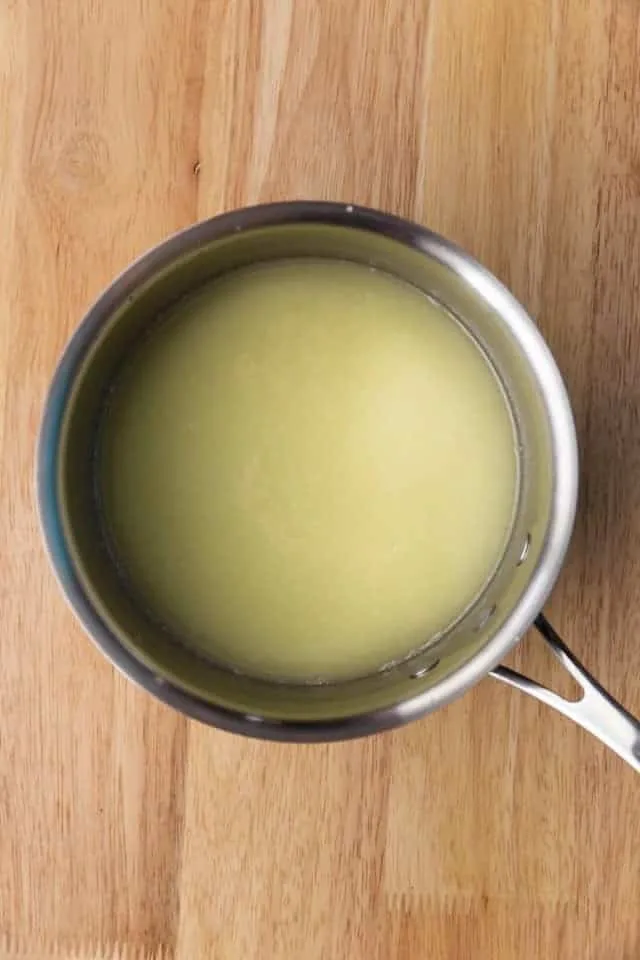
307 470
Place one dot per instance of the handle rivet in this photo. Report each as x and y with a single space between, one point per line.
525 550
421 671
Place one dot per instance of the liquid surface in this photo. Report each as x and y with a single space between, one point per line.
308 469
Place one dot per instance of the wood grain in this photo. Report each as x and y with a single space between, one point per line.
494 828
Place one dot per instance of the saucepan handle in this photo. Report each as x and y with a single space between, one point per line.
596 710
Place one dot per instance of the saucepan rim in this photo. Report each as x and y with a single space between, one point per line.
534 348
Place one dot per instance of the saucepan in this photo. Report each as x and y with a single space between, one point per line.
448 664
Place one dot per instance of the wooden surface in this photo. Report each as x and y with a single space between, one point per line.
494 829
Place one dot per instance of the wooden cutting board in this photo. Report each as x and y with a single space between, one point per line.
493 830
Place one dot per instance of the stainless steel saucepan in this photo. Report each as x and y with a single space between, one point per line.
448 664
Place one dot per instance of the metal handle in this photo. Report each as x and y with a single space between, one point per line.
596 710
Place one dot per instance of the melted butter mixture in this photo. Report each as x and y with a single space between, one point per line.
308 469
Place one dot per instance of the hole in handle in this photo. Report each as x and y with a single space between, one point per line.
537 661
